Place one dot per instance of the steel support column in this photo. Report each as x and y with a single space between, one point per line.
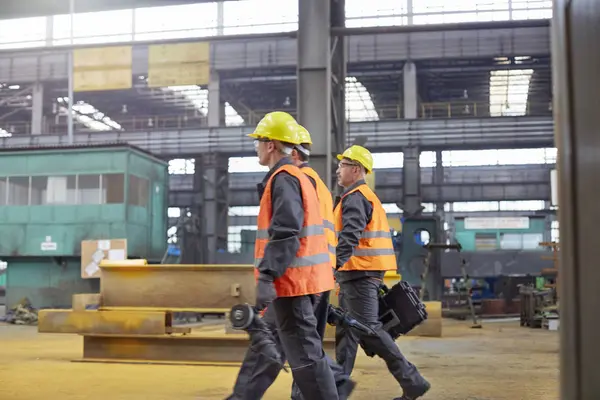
411 182
37 109
438 179
318 88
215 111
411 100
338 81
214 188
576 77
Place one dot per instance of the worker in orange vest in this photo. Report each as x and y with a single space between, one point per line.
293 268
300 156
363 253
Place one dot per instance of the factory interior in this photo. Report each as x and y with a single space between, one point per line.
128 199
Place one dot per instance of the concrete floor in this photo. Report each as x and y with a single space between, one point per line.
502 361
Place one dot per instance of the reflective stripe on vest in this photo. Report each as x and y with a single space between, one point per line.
326 207
305 231
375 250
310 271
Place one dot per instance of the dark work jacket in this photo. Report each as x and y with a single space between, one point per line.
286 222
357 212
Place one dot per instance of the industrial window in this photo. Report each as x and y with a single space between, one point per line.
3 191
138 191
554 231
113 189
22 32
88 189
242 17
93 27
181 166
175 22
521 241
53 190
240 238
173 212
18 191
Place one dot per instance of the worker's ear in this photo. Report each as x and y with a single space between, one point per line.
295 155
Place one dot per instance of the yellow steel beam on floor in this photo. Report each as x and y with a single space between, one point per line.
432 327
177 286
103 322
170 309
214 349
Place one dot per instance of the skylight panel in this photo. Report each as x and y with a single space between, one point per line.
509 91
359 104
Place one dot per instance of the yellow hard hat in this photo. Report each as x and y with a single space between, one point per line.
303 135
277 125
360 155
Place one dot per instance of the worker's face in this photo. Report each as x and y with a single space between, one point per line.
348 172
264 148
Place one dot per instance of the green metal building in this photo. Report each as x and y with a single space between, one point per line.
51 199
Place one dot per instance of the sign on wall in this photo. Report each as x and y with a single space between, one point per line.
496 223
179 64
102 68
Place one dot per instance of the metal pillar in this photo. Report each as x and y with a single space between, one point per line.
411 182
321 80
411 100
576 77
70 72
49 30
220 17
215 112
338 81
411 170
212 183
438 180
37 109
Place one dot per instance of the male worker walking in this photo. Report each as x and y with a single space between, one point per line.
293 268
300 156
364 252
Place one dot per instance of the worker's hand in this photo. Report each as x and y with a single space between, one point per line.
265 291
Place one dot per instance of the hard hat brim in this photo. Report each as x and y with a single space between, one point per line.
253 135
341 157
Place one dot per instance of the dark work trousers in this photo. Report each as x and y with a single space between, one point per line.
321 312
258 373
360 298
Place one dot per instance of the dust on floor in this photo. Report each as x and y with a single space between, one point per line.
502 361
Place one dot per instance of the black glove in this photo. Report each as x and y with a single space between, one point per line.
265 291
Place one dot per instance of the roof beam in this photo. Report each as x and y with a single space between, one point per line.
279 50
495 183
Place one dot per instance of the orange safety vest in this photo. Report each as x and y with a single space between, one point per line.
310 272
326 206
375 250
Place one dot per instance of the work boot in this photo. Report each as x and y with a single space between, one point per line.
344 390
414 394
